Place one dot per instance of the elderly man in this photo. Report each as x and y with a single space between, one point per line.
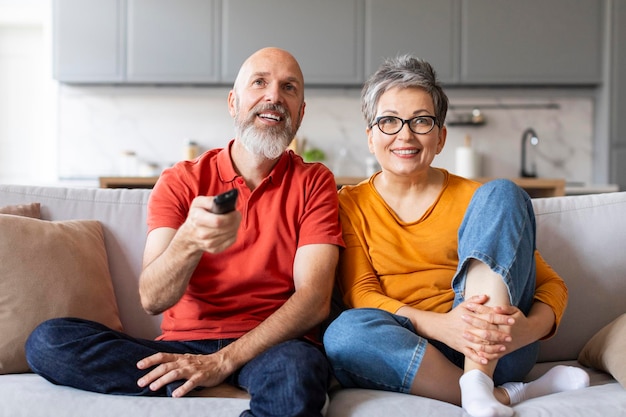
241 293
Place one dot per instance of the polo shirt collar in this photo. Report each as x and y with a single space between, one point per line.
225 166
227 171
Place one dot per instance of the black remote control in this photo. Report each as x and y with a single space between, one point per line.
225 202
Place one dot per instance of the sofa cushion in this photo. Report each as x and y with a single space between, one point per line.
50 269
606 350
27 210
583 239
122 214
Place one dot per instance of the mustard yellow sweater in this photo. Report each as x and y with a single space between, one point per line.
388 263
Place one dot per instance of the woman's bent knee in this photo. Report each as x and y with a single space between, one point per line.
356 331
348 329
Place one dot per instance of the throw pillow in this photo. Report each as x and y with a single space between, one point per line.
27 210
48 270
606 350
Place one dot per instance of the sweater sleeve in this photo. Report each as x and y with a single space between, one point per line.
551 290
356 278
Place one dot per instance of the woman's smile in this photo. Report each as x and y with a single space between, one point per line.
405 152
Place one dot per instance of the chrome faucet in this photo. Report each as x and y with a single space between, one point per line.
534 140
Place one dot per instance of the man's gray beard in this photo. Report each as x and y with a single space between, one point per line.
269 142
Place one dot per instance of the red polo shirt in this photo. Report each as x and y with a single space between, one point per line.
230 293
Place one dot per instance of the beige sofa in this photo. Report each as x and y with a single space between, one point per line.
582 237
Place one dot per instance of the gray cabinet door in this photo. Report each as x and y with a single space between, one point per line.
617 145
172 41
531 41
324 35
426 28
619 75
88 41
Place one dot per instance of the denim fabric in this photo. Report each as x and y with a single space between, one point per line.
371 348
289 379
499 230
375 349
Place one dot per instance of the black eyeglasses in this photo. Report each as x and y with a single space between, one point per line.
390 125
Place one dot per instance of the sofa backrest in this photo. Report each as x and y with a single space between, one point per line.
122 213
584 239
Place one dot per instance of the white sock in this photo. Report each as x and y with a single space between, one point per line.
558 379
477 396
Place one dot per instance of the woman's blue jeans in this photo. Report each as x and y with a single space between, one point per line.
372 348
289 379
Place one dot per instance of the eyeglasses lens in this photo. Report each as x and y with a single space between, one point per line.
391 125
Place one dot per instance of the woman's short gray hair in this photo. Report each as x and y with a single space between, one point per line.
405 71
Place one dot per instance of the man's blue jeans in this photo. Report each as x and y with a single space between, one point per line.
372 348
289 379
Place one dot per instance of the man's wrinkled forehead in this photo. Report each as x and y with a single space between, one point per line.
271 63
294 79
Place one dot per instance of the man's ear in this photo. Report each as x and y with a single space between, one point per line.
232 103
302 110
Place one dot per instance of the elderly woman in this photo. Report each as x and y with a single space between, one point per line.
447 290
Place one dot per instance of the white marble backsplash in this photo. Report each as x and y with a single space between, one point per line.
97 123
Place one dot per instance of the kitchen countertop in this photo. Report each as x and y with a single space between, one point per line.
579 188
536 187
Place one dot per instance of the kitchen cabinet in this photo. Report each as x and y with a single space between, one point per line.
425 28
491 42
172 41
203 41
136 41
338 43
617 125
325 36
88 40
531 42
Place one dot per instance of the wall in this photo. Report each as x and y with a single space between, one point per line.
27 94
16 104
96 124
52 133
